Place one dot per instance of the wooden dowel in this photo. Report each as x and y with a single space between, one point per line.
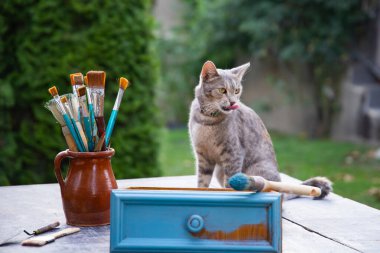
69 139
180 189
297 189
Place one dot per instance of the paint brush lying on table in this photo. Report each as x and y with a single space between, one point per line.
42 240
242 182
25 234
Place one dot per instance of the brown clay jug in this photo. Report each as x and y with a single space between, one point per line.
87 187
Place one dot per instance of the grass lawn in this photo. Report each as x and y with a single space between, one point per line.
356 175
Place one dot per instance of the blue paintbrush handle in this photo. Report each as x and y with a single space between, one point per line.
110 125
92 116
79 136
87 129
72 132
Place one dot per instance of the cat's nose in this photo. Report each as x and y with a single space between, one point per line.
233 105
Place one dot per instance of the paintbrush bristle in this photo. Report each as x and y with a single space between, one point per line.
72 81
82 91
123 82
96 79
51 105
73 103
78 79
239 182
85 80
63 99
38 241
53 91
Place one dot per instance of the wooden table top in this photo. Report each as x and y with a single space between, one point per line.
335 224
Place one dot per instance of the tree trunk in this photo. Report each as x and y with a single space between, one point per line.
324 106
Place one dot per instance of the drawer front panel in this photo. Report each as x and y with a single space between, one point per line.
178 221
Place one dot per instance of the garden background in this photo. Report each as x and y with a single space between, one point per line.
301 51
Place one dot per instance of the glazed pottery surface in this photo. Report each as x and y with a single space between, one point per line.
86 189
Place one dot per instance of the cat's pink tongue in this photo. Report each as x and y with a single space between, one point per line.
233 107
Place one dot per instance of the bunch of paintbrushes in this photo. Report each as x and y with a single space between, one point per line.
81 113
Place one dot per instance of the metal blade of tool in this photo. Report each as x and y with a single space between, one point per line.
23 235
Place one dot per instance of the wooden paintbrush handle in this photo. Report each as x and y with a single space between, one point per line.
100 143
297 189
65 232
82 135
69 139
46 228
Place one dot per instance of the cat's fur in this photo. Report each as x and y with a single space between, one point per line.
229 137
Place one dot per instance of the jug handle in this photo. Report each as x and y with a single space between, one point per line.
57 167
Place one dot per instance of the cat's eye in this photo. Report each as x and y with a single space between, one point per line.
237 91
222 90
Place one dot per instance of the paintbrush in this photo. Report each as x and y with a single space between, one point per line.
42 240
76 80
52 107
96 82
100 143
54 92
91 111
73 116
16 238
123 84
85 117
242 182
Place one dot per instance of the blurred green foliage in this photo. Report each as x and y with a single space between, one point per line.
318 35
41 43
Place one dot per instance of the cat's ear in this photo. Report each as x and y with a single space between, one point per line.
209 71
240 71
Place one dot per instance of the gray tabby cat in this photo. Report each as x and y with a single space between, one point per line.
229 137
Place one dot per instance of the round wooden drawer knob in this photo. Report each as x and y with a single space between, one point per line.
195 223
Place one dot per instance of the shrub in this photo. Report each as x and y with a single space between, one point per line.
43 42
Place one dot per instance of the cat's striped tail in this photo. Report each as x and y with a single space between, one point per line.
322 183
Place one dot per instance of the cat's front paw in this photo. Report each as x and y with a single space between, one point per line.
203 184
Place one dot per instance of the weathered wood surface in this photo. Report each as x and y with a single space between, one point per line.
339 219
333 225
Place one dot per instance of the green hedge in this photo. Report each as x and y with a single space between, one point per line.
41 43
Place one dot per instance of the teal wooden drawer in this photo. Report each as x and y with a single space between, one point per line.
195 221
